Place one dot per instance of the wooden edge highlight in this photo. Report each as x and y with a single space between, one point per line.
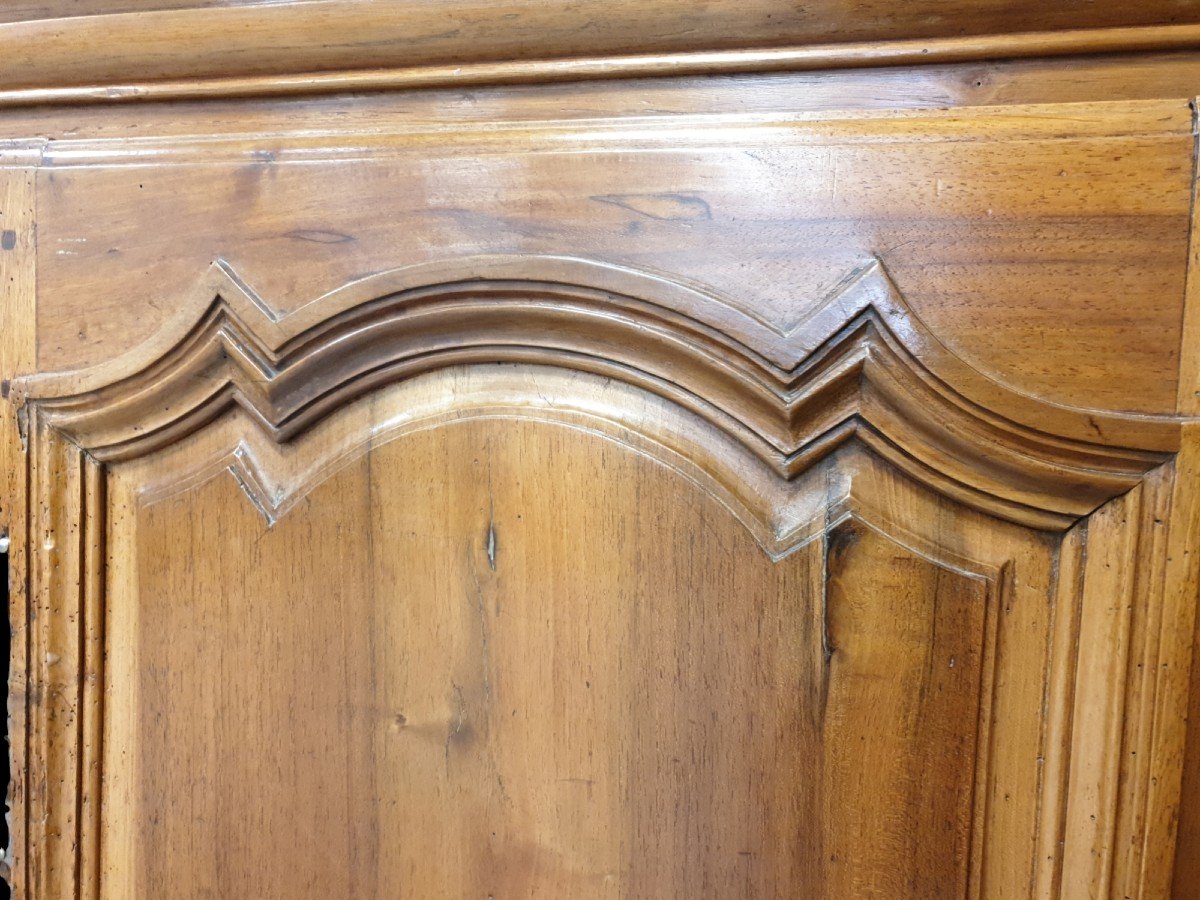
521 71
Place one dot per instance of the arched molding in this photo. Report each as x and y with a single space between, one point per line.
860 365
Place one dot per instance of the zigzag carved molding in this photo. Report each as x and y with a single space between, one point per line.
861 365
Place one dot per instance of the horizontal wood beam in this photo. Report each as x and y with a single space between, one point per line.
313 48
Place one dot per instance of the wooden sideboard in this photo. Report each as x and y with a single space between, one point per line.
652 449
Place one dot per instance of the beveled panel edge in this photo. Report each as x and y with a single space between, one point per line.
18 340
199 54
235 142
780 514
830 503
860 364
986 85
68 581
61 729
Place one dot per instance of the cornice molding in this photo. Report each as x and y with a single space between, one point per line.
322 47
860 365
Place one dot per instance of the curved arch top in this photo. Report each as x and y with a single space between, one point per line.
860 365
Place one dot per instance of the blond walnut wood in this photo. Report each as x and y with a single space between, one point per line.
273 47
779 484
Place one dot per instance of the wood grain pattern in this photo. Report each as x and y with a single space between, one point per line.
332 45
64 674
991 83
740 481
559 780
902 634
18 352
875 19
850 367
24 10
1184 555
1017 234
1009 801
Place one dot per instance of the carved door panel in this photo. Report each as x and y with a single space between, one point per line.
514 574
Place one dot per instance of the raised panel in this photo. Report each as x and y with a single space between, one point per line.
1017 234
699 501
811 572
905 649
509 657
861 364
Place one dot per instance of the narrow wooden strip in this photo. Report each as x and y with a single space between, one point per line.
1173 668
17 356
1058 712
458 21
1189 355
56 760
33 775
1100 676
1143 119
185 74
1182 820
1152 613
1000 594
981 87
92 684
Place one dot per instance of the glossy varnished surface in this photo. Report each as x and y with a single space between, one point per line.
257 47
586 679
779 484
877 19
1018 234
